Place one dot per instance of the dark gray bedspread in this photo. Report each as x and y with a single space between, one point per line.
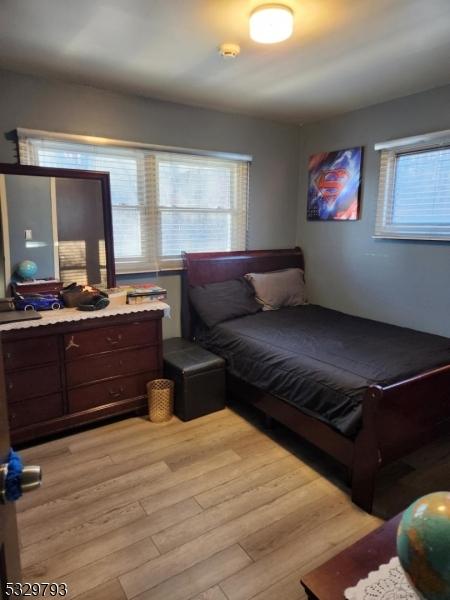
321 360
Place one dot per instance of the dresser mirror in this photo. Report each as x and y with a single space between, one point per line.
60 220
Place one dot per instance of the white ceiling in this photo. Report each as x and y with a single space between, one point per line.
344 53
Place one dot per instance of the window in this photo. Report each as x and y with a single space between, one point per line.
201 204
414 188
163 202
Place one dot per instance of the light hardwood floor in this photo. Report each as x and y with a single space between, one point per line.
213 509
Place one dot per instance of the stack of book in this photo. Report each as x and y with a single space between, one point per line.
148 292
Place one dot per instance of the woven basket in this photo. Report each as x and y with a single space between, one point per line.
160 400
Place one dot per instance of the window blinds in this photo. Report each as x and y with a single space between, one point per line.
414 192
201 204
163 203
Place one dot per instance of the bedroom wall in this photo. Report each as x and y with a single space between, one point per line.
37 103
401 282
29 206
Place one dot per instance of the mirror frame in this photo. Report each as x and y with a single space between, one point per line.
102 177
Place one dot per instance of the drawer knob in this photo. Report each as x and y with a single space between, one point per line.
10 385
113 341
116 393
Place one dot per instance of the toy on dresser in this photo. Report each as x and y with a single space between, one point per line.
37 302
145 293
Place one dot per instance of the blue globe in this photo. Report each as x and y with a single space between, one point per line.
27 269
423 545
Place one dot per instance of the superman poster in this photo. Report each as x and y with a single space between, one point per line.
334 184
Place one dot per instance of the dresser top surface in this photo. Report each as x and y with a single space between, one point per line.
68 315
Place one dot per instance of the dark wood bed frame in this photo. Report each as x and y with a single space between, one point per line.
396 420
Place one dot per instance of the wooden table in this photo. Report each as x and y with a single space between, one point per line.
330 580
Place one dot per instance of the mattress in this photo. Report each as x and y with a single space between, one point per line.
321 360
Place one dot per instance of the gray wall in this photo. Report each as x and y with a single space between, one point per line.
38 103
402 282
30 207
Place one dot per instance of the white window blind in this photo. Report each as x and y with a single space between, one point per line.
163 203
414 190
201 204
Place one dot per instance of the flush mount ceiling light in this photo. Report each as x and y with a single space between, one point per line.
271 23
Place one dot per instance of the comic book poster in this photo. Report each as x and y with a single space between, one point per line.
334 185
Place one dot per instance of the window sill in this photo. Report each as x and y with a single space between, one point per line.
163 272
411 238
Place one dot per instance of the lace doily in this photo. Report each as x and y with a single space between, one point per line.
67 315
387 583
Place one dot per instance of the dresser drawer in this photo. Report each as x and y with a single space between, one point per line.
30 383
107 392
35 410
27 353
103 339
111 364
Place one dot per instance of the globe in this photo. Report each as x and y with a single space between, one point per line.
423 545
27 269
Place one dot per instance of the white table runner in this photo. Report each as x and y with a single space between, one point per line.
68 315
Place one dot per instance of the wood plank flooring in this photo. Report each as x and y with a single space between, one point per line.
213 509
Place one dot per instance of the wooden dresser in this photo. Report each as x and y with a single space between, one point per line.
66 373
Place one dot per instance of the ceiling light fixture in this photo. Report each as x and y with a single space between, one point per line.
271 23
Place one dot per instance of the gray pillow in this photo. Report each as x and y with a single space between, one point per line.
279 288
218 302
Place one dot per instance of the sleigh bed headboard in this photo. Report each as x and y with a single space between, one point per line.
212 267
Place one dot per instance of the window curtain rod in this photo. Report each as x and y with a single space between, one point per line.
101 141
437 137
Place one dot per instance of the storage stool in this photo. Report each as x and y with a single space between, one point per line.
199 377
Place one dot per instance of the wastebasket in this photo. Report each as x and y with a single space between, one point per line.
160 400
